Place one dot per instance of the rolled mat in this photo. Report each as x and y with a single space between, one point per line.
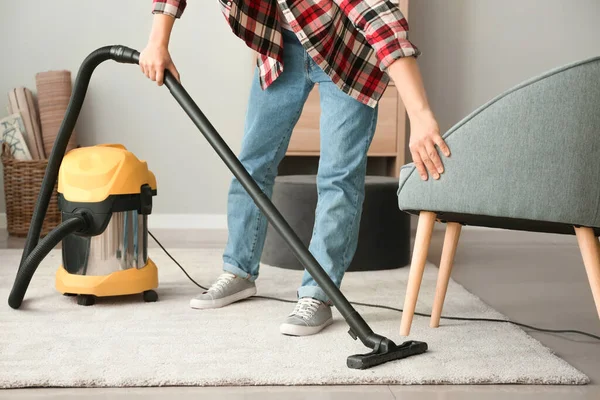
20 100
53 92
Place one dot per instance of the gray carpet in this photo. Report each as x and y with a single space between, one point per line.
51 341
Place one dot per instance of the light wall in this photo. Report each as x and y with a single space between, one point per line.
472 50
475 49
122 105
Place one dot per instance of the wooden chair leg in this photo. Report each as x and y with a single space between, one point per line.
590 252
417 266
448 251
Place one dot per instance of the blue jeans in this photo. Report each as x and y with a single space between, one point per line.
346 130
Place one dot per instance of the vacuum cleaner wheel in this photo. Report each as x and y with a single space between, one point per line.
150 296
86 299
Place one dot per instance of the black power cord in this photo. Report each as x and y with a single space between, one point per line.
393 308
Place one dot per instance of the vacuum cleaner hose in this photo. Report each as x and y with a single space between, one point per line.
32 261
117 53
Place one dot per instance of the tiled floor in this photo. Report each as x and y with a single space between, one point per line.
537 279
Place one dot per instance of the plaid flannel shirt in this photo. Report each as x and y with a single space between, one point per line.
353 41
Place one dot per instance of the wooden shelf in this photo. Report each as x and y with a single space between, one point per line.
306 136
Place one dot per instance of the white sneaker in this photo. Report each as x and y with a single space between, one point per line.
227 289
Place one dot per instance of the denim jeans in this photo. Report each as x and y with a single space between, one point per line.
346 130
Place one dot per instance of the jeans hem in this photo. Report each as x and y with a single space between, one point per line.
315 292
239 272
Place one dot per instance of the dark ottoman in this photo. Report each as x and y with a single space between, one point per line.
384 235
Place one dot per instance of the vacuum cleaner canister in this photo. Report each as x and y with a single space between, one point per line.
113 190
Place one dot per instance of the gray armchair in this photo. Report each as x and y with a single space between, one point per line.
527 160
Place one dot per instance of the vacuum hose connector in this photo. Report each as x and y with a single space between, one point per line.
124 54
29 266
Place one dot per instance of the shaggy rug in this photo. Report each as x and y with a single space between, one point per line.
51 341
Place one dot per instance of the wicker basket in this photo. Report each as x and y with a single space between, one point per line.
22 183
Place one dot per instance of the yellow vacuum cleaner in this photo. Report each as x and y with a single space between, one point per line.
115 189
105 196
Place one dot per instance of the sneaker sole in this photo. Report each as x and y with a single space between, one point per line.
297 330
218 303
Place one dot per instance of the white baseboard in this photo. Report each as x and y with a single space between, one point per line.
173 221
219 222
214 221
187 221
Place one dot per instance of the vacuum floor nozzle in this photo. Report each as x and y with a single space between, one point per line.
387 351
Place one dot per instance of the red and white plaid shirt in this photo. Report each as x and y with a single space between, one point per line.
353 41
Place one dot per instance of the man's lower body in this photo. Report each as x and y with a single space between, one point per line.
346 130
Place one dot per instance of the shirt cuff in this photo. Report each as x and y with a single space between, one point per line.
174 8
395 49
